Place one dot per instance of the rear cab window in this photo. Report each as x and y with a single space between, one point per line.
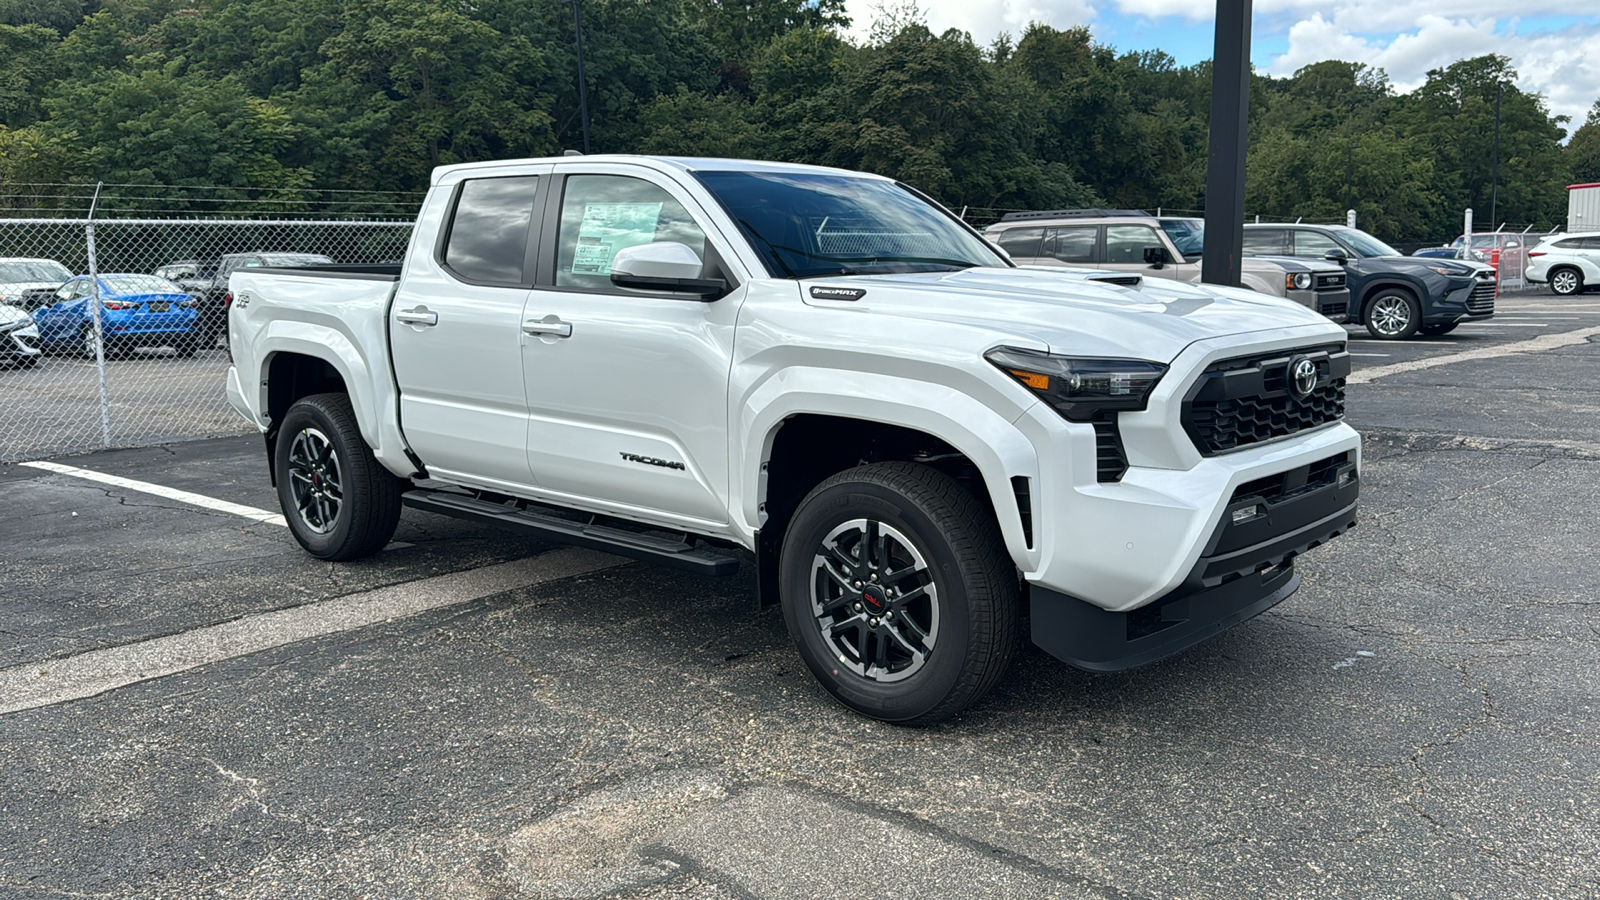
487 237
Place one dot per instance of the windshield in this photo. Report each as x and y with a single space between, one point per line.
1365 244
805 225
140 284
1189 235
43 271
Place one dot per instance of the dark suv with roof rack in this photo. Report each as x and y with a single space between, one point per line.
1395 296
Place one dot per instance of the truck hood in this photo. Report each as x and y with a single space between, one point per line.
1067 312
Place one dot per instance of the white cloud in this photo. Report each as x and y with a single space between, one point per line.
1562 65
1405 38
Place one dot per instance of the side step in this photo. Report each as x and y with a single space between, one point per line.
597 533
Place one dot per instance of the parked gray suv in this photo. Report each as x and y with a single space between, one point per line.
1132 240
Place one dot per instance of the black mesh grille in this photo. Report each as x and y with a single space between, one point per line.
1110 461
1338 307
1248 400
1331 281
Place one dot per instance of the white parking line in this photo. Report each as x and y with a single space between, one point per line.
1542 342
1505 324
1384 355
33 685
144 487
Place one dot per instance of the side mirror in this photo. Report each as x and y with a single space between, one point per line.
664 266
1335 256
1155 256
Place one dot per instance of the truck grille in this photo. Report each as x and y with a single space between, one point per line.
1481 300
1327 282
1336 307
1247 400
1110 460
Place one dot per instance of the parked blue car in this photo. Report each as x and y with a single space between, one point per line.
135 311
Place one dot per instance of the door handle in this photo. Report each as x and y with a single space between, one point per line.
418 316
549 325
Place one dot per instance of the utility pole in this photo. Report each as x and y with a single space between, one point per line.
1230 108
583 89
1494 184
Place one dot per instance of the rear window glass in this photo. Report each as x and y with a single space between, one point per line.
142 284
489 231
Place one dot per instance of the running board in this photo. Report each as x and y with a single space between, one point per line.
598 533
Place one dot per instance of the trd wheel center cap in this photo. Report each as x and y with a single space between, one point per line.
874 599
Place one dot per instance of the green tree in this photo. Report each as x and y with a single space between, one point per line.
27 64
1583 151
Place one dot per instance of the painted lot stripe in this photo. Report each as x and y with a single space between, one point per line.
145 487
1384 355
1505 325
33 685
1532 345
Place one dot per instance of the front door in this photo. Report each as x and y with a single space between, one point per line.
627 390
1125 252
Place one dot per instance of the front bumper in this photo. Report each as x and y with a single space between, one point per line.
1245 569
17 346
1335 304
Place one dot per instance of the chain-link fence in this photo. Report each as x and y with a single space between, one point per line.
113 330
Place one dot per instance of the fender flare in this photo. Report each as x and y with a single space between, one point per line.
998 449
336 349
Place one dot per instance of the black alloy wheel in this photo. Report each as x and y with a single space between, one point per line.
898 592
338 501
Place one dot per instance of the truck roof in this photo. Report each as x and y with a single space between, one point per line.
662 163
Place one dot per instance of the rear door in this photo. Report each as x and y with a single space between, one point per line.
1071 245
454 330
627 390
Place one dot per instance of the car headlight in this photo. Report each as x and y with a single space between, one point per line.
1448 273
1079 388
1297 281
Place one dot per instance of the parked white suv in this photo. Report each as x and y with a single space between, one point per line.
1569 262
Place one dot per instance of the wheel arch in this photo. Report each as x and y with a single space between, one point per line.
1373 288
811 436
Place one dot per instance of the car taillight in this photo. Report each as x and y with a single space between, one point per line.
118 304
1537 252
227 300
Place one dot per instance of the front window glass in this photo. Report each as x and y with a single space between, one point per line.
1188 235
1316 244
807 224
604 214
1125 244
1366 245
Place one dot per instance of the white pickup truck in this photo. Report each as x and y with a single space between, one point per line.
692 361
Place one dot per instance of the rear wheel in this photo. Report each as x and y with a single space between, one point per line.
1566 281
1393 315
89 344
340 504
898 592
1436 330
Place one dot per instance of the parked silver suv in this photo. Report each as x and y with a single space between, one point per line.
1132 240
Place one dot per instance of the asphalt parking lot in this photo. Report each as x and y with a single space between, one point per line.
192 707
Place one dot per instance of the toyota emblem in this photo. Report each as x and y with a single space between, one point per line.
1302 377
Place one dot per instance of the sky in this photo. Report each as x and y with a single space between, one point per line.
1554 45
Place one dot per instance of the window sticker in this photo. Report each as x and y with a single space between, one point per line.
610 227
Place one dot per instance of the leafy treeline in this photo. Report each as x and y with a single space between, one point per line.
371 94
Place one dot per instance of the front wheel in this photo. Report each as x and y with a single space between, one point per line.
898 593
340 504
89 344
1566 281
1393 315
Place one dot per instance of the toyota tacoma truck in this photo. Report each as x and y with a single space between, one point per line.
920 447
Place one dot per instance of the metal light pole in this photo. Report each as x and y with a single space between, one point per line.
1494 185
1220 261
583 89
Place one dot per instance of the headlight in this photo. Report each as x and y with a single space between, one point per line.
1080 387
1297 281
1448 273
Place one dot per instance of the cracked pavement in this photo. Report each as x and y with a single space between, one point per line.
1422 719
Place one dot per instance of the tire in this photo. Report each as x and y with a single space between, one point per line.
340 504
946 585
1436 330
87 342
1393 314
1566 281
